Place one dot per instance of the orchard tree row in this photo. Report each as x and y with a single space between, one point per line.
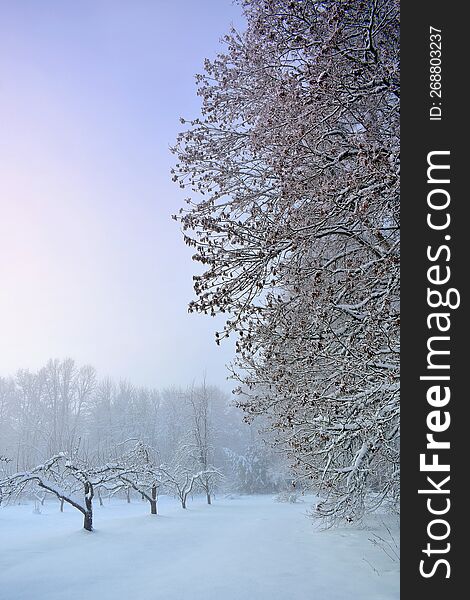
75 480
62 423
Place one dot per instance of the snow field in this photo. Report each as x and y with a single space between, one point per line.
241 548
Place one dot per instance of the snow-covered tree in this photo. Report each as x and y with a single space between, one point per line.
71 479
250 471
202 437
181 476
138 469
179 481
293 176
257 469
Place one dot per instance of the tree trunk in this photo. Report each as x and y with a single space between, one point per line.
153 501
99 497
88 514
183 502
128 496
88 520
61 505
209 500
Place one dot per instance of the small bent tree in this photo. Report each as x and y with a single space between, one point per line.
184 474
208 481
179 480
138 470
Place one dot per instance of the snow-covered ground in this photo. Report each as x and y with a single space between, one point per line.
241 548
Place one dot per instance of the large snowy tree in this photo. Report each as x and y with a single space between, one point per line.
292 172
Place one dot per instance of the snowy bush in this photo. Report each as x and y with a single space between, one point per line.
291 497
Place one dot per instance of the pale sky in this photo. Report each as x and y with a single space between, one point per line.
91 264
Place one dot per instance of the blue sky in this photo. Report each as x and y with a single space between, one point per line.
91 265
